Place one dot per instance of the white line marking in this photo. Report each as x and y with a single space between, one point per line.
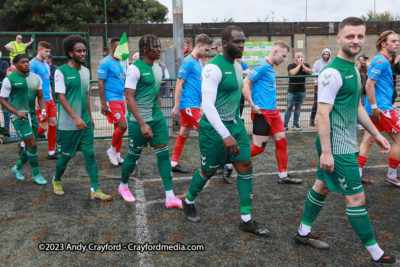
216 176
254 174
142 228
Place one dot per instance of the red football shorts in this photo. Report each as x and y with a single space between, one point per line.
190 117
389 123
50 110
274 119
116 111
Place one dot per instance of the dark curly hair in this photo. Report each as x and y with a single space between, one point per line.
145 41
69 42
19 57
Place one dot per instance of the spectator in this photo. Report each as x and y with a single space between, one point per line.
17 47
317 68
188 48
165 85
3 73
53 66
246 70
217 46
297 90
135 57
395 65
363 69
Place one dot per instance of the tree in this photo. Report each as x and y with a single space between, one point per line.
382 16
75 15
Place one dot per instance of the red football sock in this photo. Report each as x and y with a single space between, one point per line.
361 161
118 147
393 163
117 137
255 150
41 131
52 137
179 144
281 154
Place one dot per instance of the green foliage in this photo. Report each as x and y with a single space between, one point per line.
75 15
382 16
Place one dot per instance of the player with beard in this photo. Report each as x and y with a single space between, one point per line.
339 108
222 135
146 122
75 122
266 118
23 86
379 105
188 96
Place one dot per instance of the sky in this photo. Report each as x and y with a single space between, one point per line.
197 11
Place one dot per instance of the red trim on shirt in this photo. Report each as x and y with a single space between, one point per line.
384 56
115 58
194 57
269 62
39 59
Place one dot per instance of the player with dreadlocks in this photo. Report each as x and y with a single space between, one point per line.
75 122
146 122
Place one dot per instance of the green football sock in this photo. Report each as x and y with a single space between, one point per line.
245 188
23 158
196 185
359 220
129 164
91 167
60 167
313 205
164 167
33 160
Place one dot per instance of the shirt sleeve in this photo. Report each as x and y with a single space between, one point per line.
211 77
40 84
167 74
245 66
257 72
290 67
9 45
5 88
59 82
102 72
184 70
132 77
329 83
375 70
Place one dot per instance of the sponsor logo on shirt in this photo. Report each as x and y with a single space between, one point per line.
376 71
102 71
146 74
17 83
229 72
183 71
348 77
68 78
254 72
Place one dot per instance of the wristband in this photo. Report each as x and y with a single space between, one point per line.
43 112
374 106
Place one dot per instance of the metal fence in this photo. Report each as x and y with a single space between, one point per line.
103 130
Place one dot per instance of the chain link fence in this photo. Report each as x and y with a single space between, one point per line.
103 130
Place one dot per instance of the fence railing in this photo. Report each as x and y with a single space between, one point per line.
104 130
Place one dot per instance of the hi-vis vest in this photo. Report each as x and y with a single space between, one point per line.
18 49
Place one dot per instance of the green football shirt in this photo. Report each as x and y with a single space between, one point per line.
339 84
22 91
74 84
228 76
146 80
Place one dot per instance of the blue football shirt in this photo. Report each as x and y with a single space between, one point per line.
42 69
190 71
110 69
264 85
380 71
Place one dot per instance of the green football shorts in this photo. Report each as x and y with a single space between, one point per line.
27 128
212 147
68 142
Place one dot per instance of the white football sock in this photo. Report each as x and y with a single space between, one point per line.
188 201
169 194
392 173
246 217
122 185
304 229
375 251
